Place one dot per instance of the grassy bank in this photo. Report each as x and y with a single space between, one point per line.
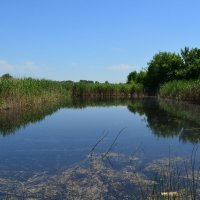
184 90
28 91
25 92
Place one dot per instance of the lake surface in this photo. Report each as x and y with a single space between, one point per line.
94 149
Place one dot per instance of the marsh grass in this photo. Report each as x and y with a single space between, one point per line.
186 90
28 91
83 89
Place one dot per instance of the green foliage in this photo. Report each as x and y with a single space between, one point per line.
132 77
167 66
6 76
141 77
191 64
96 89
137 77
29 86
162 68
28 90
188 90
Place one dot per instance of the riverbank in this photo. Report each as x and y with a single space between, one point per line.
28 92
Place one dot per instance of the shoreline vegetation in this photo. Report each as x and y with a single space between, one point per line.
168 75
28 92
181 90
171 75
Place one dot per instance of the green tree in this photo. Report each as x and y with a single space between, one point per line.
191 64
141 77
137 77
162 68
132 77
6 76
185 55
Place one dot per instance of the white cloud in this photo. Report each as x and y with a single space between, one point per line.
6 66
120 67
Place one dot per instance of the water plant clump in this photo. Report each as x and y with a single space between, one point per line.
84 89
187 90
28 91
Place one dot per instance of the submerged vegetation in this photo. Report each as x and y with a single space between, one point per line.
110 175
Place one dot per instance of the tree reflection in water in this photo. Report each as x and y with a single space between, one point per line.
164 118
170 119
112 175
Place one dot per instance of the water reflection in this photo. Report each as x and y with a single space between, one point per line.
164 118
170 119
58 159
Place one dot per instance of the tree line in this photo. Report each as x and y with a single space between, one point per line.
168 66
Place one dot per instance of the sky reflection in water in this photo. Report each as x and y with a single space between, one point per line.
51 140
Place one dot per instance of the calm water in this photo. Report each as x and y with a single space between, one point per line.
45 152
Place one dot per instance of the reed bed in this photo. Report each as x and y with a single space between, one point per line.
186 90
28 91
82 89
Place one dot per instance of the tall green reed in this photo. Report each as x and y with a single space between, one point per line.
181 90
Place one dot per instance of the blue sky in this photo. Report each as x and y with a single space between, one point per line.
92 39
